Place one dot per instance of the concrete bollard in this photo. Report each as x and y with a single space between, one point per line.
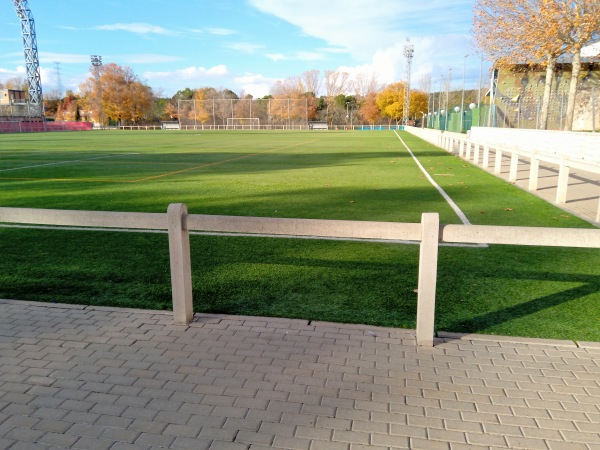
181 269
534 173
514 167
486 157
563 183
428 261
498 164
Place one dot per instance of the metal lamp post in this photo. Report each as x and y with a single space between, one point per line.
462 103
456 110
448 96
347 114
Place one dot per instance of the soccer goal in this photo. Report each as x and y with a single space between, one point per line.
243 123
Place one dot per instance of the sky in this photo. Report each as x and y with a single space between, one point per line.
244 45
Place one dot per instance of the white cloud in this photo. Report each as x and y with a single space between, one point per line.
244 47
148 58
374 35
6 74
63 58
332 50
297 56
137 28
254 84
189 73
276 56
309 56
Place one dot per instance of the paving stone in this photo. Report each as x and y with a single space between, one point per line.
108 377
57 440
191 443
220 445
86 443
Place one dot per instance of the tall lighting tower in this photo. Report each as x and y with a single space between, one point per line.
96 64
32 62
409 52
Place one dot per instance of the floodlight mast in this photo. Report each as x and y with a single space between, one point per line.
32 62
409 52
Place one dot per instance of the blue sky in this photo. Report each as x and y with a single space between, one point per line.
243 45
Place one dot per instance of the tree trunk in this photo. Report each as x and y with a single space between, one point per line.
573 87
547 92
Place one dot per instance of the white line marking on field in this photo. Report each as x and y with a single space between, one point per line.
212 233
67 162
461 215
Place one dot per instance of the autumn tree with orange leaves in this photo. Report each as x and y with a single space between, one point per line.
537 32
390 102
122 97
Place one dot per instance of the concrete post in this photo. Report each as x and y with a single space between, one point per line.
563 183
498 164
514 166
476 154
428 261
461 151
486 157
181 270
534 173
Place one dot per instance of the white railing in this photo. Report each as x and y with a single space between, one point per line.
480 154
429 233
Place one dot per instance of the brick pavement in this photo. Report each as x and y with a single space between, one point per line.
100 378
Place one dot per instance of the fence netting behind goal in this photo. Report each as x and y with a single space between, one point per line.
243 113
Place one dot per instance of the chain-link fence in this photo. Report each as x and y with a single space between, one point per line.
24 110
244 113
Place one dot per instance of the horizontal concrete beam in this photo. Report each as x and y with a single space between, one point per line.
104 219
531 236
305 227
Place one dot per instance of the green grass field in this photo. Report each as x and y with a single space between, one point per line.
540 292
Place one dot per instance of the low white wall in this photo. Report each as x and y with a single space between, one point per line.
563 144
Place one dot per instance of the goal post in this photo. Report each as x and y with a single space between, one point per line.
243 123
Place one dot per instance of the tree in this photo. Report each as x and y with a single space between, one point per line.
538 32
311 80
68 108
118 93
391 101
366 84
336 83
369 110
520 32
290 100
15 83
418 103
579 24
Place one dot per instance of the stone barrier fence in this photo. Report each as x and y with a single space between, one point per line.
429 233
567 150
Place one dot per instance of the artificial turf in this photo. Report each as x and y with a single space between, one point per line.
526 291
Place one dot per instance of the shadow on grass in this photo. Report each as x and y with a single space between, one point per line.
588 285
542 294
